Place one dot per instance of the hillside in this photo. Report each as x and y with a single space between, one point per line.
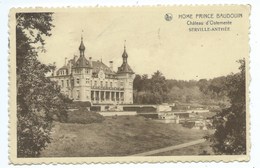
116 136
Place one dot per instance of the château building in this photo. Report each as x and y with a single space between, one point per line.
83 79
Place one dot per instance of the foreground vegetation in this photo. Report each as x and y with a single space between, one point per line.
116 136
38 99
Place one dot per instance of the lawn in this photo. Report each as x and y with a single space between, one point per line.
120 136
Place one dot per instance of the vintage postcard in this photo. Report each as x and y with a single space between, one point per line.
129 84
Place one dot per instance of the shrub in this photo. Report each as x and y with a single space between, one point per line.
80 104
95 108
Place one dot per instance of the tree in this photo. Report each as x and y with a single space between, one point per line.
38 99
159 87
203 85
137 84
230 123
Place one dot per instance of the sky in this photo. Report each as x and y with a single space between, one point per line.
152 43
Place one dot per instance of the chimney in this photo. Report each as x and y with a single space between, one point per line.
70 66
90 61
54 69
111 65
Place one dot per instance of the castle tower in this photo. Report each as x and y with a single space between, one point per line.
126 76
81 73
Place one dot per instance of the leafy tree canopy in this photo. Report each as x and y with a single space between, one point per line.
38 99
230 123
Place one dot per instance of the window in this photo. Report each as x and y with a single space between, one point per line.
68 83
78 96
62 83
77 80
95 83
111 85
101 83
121 84
87 94
87 80
106 84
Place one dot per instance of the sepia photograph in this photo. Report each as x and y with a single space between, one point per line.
132 83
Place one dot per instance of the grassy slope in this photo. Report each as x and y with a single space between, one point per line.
116 137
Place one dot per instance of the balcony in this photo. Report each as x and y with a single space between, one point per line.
106 88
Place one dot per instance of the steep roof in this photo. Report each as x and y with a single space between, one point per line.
63 67
125 68
98 65
82 62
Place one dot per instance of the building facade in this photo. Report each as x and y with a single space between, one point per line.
83 79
